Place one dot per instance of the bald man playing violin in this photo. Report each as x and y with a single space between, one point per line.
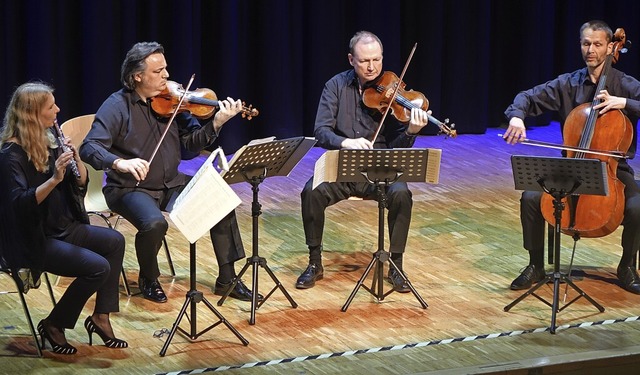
562 95
343 121
123 137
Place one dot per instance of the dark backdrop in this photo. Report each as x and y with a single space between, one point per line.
472 57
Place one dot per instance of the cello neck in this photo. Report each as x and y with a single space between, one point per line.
589 126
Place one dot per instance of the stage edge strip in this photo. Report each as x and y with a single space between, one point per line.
400 347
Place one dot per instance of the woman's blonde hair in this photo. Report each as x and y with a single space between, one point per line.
22 122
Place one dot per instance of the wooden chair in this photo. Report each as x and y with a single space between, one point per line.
21 281
95 203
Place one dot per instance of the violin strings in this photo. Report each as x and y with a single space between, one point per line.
410 105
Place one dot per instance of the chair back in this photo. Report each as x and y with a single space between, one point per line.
77 129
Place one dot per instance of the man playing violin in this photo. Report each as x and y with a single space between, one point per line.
123 137
342 121
562 95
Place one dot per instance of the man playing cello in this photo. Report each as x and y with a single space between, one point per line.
562 95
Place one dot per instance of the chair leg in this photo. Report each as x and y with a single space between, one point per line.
166 250
117 221
102 216
30 321
125 282
106 220
25 308
50 289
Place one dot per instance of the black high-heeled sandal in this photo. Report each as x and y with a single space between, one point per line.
65 348
109 342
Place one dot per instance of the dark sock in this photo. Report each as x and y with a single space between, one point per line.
536 260
227 273
315 255
627 259
397 260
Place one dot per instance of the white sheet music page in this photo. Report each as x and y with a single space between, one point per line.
326 168
205 200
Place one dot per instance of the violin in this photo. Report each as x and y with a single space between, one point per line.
201 103
378 96
585 128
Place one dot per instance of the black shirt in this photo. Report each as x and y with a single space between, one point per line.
569 90
342 114
126 127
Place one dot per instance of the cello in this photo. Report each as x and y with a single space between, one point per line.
585 128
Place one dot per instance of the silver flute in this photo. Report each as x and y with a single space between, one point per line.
65 148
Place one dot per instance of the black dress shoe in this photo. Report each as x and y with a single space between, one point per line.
531 274
629 279
240 291
308 278
399 285
151 290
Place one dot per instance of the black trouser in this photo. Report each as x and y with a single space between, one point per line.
93 255
145 213
315 201
533 223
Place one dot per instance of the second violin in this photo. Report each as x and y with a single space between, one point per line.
378 96
201 103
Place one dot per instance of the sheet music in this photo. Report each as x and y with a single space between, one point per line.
432 174
417 164
326 168
205 200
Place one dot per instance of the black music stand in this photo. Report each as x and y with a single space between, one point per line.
193 298
383 167
559 177
253 163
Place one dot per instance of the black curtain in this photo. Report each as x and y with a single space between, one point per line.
472 56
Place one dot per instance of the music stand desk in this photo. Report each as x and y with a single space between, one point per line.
559 177
381 168
253 163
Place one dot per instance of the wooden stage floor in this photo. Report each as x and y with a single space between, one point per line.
464 249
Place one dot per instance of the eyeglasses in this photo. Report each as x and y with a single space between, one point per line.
160 333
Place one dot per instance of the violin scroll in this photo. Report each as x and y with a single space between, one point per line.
248 112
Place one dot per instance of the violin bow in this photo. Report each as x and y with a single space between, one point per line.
612 154
172 118
395 93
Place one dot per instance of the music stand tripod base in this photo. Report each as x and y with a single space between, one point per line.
559 177
381 178
376 289
253 164
194 297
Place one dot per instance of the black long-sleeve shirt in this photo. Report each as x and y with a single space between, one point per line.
569 90
25 224
126 127
342 114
